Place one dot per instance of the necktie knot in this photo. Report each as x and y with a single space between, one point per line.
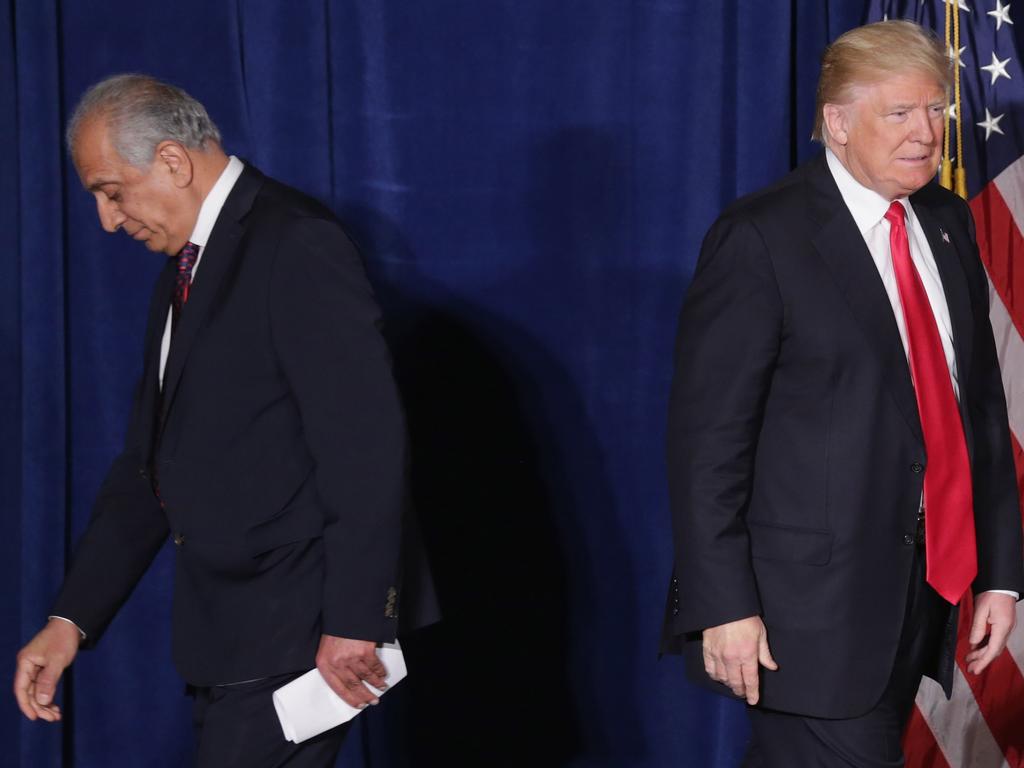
187 258
896 213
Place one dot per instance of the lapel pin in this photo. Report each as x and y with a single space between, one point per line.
945 235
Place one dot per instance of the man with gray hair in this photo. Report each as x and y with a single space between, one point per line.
266 436
839 457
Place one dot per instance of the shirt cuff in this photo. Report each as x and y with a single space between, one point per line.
1010 592
69 621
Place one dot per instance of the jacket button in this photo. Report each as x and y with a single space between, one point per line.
917 467
179 539
908 539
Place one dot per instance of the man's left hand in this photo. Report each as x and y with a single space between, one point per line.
346 664
994 616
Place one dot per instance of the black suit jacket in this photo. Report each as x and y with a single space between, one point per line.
278 447
795 452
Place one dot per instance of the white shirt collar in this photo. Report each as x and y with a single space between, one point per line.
214 201
867 206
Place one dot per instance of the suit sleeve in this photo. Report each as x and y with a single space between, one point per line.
125 532
726 350
996 497
325 325
127 526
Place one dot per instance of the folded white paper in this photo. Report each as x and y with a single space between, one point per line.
307 706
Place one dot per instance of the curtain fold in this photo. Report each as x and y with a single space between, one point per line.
529 183
38 480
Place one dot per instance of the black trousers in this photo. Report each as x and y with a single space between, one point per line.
782 740
237 727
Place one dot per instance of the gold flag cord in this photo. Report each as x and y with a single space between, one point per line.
947 174
946 171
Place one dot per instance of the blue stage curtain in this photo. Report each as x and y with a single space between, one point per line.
530 181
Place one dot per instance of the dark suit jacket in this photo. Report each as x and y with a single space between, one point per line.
278 446
795 452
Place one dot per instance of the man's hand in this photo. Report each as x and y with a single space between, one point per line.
732 652
346 663
39 667
994 616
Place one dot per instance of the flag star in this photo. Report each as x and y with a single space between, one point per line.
957 55
962 5
951 112
1001 14
991 124
997 68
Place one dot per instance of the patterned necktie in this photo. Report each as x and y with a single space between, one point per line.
950 549
183 280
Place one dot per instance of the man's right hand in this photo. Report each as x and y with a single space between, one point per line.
39 667
732 653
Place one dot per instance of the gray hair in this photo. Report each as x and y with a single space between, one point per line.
141 112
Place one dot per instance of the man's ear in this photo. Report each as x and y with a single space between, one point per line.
837 123
173 157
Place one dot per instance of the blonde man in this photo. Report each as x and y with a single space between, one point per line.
839 458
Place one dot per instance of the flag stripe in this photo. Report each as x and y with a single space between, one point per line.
919 744
999 239
1010 349
959 731
1010 184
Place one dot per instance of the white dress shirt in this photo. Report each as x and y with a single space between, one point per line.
868 209
208 214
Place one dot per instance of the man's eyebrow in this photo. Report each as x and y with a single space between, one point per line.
99 183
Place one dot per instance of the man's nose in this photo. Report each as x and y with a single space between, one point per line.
110 215
923 129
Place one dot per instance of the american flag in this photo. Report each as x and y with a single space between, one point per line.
983 725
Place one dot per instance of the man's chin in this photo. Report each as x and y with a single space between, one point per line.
912 184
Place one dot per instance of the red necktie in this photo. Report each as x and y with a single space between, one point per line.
183 280
950 550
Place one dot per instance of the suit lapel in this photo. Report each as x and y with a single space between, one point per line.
954 285
841 246
150 394
219 256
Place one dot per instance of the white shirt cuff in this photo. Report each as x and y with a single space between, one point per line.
69 621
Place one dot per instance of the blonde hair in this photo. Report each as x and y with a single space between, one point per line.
868 54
